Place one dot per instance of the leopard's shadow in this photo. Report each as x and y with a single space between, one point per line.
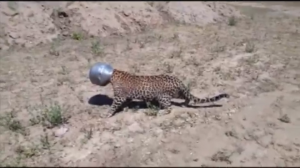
101 100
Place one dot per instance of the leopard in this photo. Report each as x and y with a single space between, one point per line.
160 88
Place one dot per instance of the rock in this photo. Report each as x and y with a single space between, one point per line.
61 131
285 118
135 127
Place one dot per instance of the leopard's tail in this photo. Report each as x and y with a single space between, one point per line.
188 96
210 99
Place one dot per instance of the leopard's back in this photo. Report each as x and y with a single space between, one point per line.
145 87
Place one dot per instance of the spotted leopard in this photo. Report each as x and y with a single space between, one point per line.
161 88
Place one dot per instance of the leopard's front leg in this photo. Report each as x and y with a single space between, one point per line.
117 103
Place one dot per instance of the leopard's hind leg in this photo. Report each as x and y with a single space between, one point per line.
165 103
185 94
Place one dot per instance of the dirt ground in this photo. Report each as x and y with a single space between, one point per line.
51 114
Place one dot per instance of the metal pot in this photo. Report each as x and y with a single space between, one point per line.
101 73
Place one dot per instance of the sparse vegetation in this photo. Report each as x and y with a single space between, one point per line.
223 156
50 116
12 5
190 84
54 115
77 36
168 68
177 53
152 109
64 70
53 48
217 69
9 121
135 69
232 21
27 151
45 142
96 48
249 47
88 134
219 48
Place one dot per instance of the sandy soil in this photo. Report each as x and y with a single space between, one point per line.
51 115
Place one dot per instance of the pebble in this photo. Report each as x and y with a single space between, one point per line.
61 131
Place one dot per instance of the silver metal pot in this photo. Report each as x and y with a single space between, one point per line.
100 73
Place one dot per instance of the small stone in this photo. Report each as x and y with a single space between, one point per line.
117 145
163 112
179 122
285 119
130 140
247 137
184 115
231 134
54 52
61 131
135 127
174 151
13 35
65 33
217 117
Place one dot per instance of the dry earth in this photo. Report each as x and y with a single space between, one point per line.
51 115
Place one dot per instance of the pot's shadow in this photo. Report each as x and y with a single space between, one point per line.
101 100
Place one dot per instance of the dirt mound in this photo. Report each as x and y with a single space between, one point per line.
106 18
30 23
197 13
25 23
